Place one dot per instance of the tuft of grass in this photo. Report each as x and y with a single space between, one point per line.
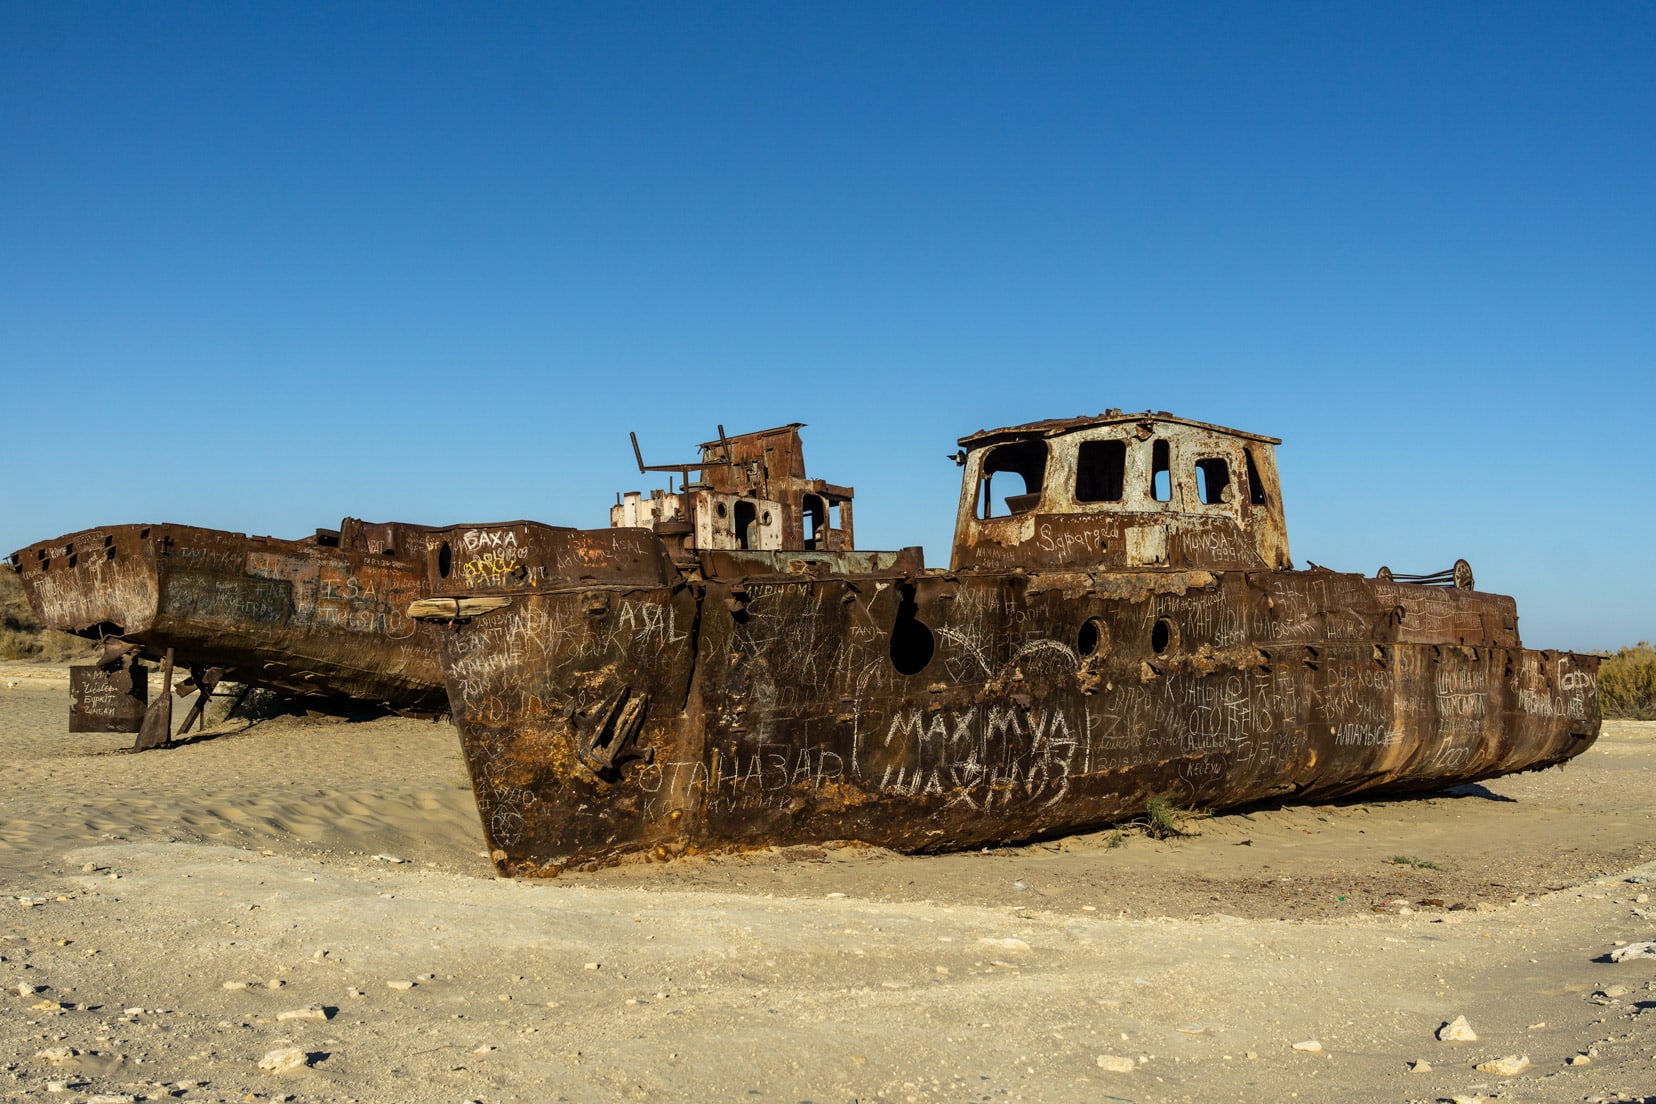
1627 683
1418 864
1164 819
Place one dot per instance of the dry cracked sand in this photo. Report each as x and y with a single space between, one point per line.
312 896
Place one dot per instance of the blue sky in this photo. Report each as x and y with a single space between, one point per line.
263 266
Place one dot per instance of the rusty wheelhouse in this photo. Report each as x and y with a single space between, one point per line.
1120 620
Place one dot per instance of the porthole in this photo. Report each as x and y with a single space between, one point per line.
1094 634
1163 636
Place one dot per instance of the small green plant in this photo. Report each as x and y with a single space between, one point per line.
1163 819
1418 864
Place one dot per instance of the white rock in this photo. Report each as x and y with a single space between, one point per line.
59 1054
234 985
1420 1065
314 1012
1579 1060
1116 1064
400 986
1457 1030
24 989
390 859
1313 1046
111 1098
283 1060
1633 950
1009 943
1509 1066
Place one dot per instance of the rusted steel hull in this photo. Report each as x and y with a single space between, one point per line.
323 620
781 698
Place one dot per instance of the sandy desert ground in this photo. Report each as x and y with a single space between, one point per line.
316 891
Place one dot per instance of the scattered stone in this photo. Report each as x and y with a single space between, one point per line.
485 1049
1457 1030
1641 879
1510 1066
1633 950
390 859
1579 1060
1112 1063
234 985
275 983
284 1059
1312 1046
400 986
1420 1065
1009 943
314 1012
592 965
24 989
111 1098
58 1055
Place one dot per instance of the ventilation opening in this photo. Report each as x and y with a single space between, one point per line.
1093 636
445 560
1023 467
69 551
747 517
1256 485
1212 481
1100 471
1161 472
912 643
1163 636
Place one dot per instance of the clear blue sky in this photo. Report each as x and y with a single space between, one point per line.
266 265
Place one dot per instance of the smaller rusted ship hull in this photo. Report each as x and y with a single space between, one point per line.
322 620
612 699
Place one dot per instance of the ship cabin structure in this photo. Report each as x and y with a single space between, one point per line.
1125 492
749 492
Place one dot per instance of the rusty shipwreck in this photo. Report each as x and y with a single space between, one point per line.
1119 620
321 620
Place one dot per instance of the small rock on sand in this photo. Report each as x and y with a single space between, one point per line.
1114 1063
1420 1065
284 1059
1310 1046
1509 1066
1633 950
1457 1030
314 1012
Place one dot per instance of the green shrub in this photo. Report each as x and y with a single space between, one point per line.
1627 683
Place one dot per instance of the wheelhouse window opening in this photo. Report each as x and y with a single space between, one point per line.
1212 481
1161 471
1256 485
1022 464
747 518
1100 471
814 517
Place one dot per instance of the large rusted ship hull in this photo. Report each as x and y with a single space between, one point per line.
322 620
788 697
